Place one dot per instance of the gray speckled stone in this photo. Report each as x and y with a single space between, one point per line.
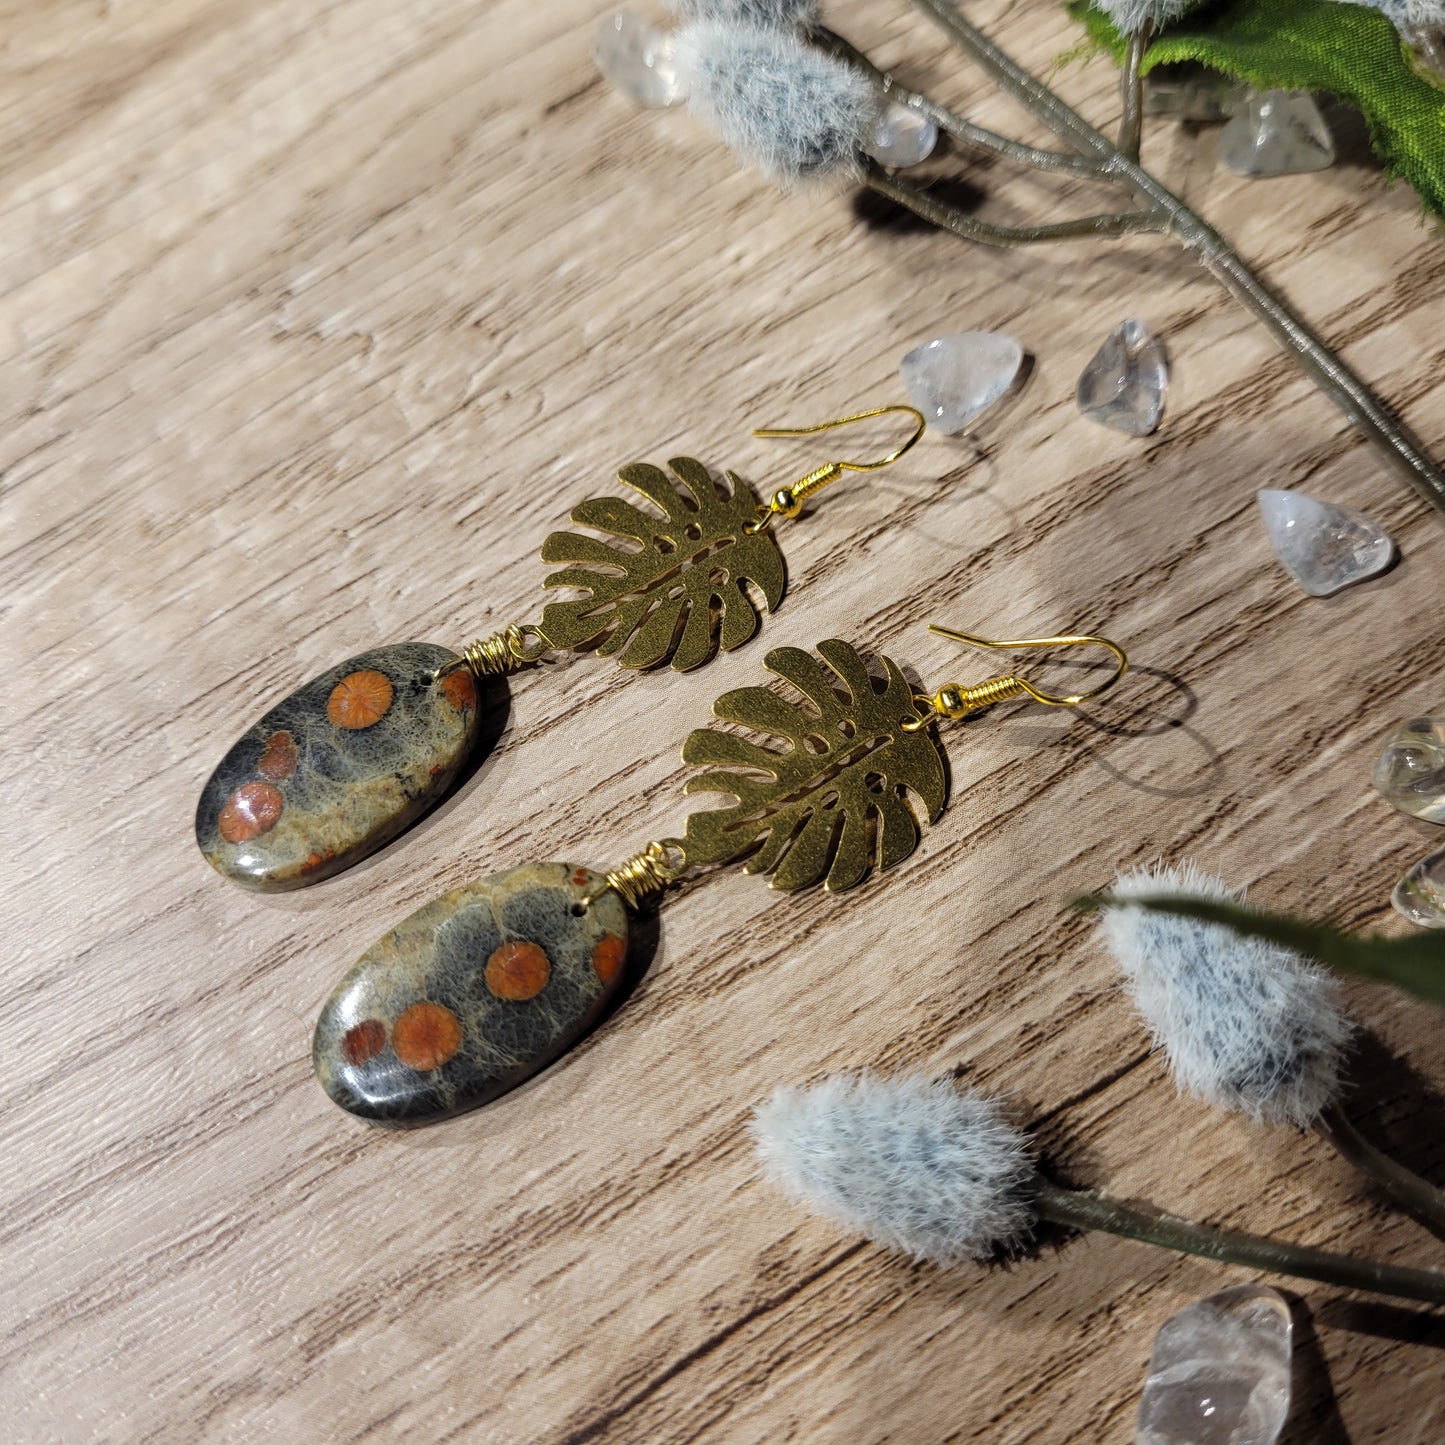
472 994
338 768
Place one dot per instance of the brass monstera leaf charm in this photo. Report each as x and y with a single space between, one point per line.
834 802
681 595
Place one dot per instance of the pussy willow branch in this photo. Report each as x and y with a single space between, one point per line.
1080 1210
1112 223
977 137
1417 1195
1165 212
1131 92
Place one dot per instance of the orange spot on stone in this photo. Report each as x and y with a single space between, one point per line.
579 877
316 860
518 971
426 1036
460 691
278 762
608 957
251 810
359 699
363 1042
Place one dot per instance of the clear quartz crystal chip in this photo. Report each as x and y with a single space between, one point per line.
1220 1372
1410 771
901 136
952 379
1277 133
1324 548
638 60
1420 894
1123 386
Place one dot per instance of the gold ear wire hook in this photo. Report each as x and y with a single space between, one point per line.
953 701
789 501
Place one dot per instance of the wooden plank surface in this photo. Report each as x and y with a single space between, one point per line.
315 320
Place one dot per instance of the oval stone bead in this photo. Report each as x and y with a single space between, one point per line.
339 767
472 994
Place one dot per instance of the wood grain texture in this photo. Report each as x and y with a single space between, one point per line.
314 321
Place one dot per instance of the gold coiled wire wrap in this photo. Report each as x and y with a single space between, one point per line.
815 481
501 653
645 877
788 501
956 702
953 701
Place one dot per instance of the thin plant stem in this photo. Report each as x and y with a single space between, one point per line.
981 139
1414 1194
961 223
1080 1210
1033 94
1131 91
978 137
1211 250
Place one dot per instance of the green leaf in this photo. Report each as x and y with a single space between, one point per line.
1415 963
1351 51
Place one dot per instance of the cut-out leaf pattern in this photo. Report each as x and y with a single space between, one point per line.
681 594
831 804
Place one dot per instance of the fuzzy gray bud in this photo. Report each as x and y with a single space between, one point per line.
792 111
1244 1024
913 1163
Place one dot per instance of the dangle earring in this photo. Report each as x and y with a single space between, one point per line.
483 987
348 761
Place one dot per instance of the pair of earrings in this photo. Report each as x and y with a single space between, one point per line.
483 987
341 766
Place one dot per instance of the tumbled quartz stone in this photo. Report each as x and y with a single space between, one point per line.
472 994
1420 894
1276 133
1323 547
638 60
338 768
1410 771
1220 1372
901 136
1123 386
953 379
